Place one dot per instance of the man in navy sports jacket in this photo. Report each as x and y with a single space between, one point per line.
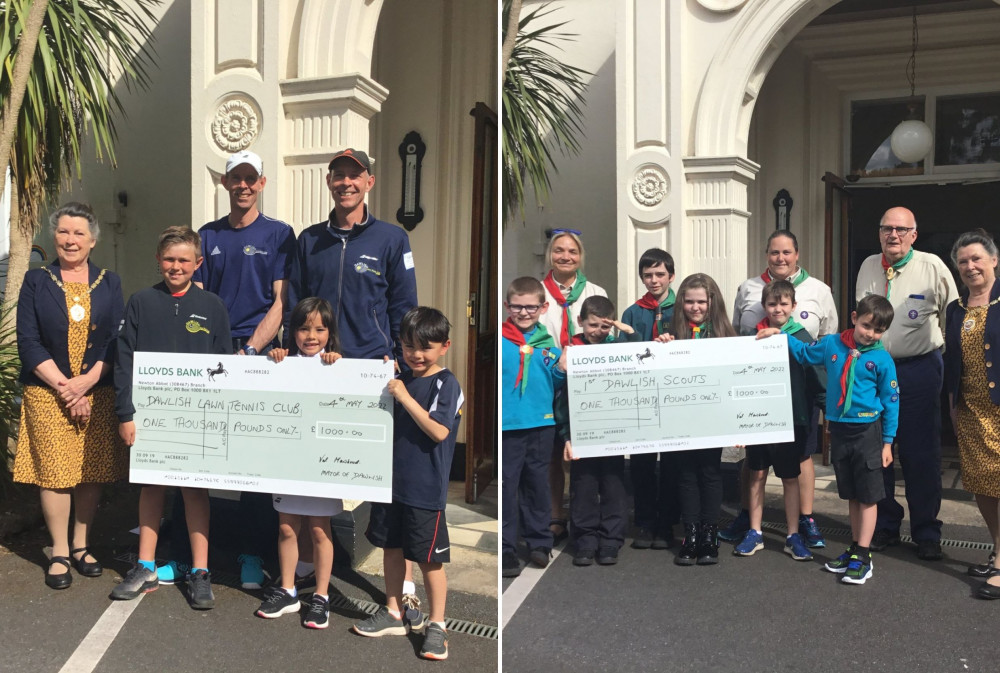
361 265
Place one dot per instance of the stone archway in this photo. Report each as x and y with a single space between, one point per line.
718 173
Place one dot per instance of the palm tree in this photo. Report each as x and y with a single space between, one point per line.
542 98
85 48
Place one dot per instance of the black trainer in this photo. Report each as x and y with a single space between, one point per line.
200 594
317 616
883 538
540 556
137 581
584 557
435 643
277 601
607 556
929 550
643 539
511 565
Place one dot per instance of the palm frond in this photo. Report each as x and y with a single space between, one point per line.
542 108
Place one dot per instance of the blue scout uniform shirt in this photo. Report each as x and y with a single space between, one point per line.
241 266
534 409
421 466
876 389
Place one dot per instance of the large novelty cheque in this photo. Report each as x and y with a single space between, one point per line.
249 424
686 394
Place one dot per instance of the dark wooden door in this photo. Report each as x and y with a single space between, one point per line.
481 380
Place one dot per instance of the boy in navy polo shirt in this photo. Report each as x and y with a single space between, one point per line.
413 526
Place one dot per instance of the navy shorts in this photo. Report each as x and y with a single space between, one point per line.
422 534
856 454
785 458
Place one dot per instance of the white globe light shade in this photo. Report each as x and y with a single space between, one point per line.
911 141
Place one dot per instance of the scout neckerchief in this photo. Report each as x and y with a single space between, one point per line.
847 375
790 327
892 270
540 338
565 302
579 340
799 277
702 331
648 301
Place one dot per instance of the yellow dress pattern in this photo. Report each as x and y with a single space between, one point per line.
978 418
54 451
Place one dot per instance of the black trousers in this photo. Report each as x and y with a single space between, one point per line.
699 480
654 492
526 457
597 502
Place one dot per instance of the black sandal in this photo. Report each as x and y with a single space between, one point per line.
83 567
62 580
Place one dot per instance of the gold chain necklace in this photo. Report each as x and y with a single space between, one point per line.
76 311
969 324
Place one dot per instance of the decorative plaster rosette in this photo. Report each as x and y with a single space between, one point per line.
650 185
236 124
721 5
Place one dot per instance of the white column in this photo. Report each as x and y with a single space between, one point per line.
649 143
716 217
320 116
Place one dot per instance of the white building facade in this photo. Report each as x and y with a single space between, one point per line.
295 81
720 104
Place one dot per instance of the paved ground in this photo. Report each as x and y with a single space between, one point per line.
80 630
763 613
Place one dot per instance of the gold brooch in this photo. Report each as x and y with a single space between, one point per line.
890 273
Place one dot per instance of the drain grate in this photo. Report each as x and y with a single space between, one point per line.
336 600
846 532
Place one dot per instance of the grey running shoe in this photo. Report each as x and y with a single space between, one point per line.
317 616
200 594
412 614
435 643
381 624
137 581
277 602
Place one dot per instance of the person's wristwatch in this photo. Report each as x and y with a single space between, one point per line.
249 350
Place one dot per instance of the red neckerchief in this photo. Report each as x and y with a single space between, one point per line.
847 375
540 337
648 301
579 283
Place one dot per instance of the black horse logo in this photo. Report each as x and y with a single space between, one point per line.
218 370
642 356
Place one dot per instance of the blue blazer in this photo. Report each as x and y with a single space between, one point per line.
954 317
43 324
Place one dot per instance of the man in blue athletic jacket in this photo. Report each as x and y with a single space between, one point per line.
362 266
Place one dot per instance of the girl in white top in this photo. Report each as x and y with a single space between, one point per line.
314 332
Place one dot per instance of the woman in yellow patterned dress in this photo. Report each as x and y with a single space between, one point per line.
67 319
972 373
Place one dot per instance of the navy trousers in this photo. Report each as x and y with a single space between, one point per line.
526 457
597 502
654 492
919 449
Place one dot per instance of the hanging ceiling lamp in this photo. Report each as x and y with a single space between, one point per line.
912 139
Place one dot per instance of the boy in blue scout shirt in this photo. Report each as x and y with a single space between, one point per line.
657 507
533 369
597 498
863 409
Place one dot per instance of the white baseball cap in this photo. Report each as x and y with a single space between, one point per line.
245 157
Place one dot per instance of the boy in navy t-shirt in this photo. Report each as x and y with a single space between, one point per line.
413 526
